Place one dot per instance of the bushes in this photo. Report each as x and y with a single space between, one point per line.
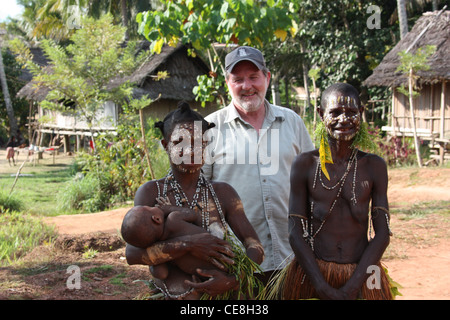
115 173
9 202
19 233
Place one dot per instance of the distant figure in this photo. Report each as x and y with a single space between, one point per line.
10 152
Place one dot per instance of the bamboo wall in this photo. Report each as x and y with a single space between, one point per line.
427 109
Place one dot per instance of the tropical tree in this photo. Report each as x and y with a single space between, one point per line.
79 74
14 128
58 19
19 107
410 64
204 22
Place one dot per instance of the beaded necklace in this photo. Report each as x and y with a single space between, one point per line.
310 235
203 188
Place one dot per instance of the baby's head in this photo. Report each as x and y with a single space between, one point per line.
142 226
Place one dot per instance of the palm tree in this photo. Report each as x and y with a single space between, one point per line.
14 128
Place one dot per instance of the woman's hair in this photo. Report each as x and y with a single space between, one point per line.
342 88
182 114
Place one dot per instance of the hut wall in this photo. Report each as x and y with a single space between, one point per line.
106 118
427 109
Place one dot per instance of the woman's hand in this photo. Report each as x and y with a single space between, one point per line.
210 248
218 282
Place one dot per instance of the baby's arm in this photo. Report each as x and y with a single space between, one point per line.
175 212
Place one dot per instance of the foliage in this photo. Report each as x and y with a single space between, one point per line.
396 151
202 23
12 71
59 19
19 233
338 40
79 73
411 63
9 201
119 168
244 269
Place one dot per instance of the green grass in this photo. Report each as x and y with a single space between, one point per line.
34 195
422 209
37 188
19 233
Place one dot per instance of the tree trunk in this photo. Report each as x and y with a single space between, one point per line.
14 128
305 80
413 118
124 13
147 154
435 5
315 103
402 18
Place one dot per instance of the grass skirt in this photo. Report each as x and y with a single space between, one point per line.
293 284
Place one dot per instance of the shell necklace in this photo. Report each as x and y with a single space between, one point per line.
309 235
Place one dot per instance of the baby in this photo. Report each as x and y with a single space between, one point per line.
143 226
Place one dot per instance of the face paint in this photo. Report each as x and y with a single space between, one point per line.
186 145
342 117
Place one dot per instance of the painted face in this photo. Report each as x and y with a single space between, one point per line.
248 86
186 145
342 117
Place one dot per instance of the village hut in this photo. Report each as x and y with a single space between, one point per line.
182 69
432 106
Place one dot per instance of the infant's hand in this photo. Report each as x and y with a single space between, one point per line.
162 201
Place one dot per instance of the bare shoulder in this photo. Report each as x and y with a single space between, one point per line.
373 160
147 193
373 166
222 188
305 159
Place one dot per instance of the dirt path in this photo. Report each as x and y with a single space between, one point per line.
417 258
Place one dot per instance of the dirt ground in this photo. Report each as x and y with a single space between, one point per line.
417 257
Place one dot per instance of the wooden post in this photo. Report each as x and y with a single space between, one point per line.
442 126
78 143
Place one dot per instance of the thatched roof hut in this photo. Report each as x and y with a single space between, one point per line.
182 69
432 106
436 31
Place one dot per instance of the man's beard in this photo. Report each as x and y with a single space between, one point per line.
250 105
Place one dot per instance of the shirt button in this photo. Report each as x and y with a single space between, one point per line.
269 236
266 199
264 180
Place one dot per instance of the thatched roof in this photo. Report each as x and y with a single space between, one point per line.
438 34
30 91
182 69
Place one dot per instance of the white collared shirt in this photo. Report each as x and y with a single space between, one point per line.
258 167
